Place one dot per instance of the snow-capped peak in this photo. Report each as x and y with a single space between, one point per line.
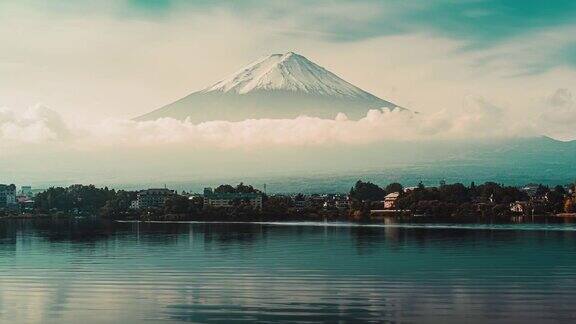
288 72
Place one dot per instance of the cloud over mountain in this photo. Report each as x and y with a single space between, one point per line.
477 119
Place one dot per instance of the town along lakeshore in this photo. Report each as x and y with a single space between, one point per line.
365 202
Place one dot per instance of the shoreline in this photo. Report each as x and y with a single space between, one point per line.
327 220
470 226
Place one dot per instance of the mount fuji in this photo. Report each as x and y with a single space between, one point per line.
277 86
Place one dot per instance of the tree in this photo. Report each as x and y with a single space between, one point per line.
556 200
394 187
226 188
542 190
569 206
364 191
454 193
301 197
119 205
560 190
240 188
88 199
177 205
473 189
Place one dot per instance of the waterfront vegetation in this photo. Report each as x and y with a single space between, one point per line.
450 202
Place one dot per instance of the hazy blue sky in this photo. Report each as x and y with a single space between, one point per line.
472 60
125 57
473 68
481 22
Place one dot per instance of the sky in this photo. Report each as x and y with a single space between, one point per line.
73 73
126 57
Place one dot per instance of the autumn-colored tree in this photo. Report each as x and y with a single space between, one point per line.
569 205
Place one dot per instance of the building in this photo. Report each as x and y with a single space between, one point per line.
342 204
25 203
530 189
26 191
152 198
7 195
390 200
316 200
333 202
519 207
229 200
301 204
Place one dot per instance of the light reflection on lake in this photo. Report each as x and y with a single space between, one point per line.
96 272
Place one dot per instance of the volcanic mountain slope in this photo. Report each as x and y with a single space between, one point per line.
278 86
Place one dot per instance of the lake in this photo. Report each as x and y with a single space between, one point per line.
79 271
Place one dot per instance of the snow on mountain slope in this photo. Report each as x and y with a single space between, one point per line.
279 86
290 72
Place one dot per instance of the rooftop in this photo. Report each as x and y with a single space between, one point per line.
392 195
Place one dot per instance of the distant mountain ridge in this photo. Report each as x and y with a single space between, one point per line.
278 86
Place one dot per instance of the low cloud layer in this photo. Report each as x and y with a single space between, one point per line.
476 119
35 125
559 116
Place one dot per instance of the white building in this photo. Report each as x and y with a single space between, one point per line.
390 200
229 200
150 198
519 207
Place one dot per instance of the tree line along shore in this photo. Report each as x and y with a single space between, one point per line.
365 201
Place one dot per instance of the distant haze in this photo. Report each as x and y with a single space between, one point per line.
75 74
309 169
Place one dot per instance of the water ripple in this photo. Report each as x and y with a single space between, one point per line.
286 272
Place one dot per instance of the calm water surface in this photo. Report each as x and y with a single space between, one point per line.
94 272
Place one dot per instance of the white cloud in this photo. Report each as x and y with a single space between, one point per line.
477 119
558 117
31 126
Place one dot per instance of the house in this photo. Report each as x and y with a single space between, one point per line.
150 198
7 195
530 189
316 200
519 207
329 201
342 204
390 200
25 203
231 199
301 204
